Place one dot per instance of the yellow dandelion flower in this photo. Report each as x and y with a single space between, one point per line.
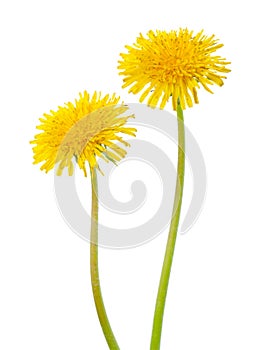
82 131
172 64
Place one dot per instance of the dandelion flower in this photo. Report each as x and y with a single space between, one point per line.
82 131
85 130
163 65
174 63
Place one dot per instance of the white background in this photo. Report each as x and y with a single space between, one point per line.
50 51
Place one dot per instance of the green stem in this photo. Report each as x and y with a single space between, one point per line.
100 308
170 246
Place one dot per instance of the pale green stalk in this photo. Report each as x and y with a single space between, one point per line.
166 268
100 308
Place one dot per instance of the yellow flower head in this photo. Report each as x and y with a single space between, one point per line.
172 64
82 131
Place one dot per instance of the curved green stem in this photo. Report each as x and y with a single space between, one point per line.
100 308
166 268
